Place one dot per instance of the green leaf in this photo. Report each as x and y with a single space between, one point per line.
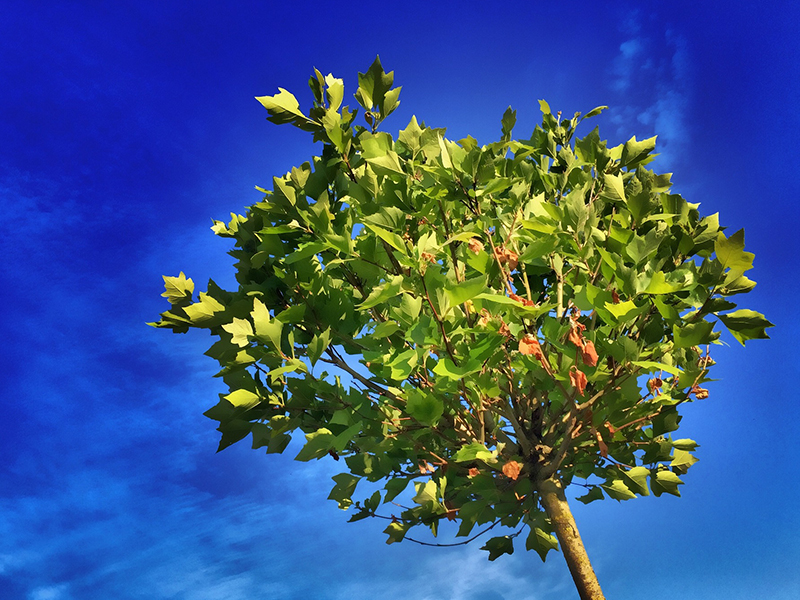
305 251
447 368
651 367
636 480
335 91
540 537
739 285
447 163
466 290
385 329
318 345
292 365
685 444
731 254
293 314
427 495
342 492
241 330
692 334
410 306
496 299
387 163
596 493
497 185
243 399
746 325
395 487
390 102
635 153
279 230
544 107
507 123
373 85
594 112
396 531
666 421
618 490
624 311
497 546
576 211
318 444
232 432
266 329
178 289
613 188
410 136
683 460
423 407
462 236
203 310
659 285
284 108
403 364
382 293
475 451
669 312
665 481
391 238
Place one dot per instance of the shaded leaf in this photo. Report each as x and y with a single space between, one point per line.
342 492
318 345
618 490
318 444
382 293
466 290
635 152
636 480
665 481
425 408
497 546
746 325
396 531
595 493
391 238
540 538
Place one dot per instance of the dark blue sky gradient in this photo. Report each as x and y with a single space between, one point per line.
126 127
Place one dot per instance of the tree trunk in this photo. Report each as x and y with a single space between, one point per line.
555 504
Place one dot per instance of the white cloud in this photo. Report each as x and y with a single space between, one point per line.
52 592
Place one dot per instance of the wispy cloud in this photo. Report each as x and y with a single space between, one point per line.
652 79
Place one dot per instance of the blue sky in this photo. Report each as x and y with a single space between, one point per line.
126 127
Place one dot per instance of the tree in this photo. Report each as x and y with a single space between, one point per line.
490 323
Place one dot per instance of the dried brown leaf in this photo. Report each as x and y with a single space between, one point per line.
589 354
475 245
512 469
578 379
530 345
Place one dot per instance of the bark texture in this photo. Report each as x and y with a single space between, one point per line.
555 503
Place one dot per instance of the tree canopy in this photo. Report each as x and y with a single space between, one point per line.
458 324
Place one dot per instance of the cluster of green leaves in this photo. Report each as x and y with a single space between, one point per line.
470 319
